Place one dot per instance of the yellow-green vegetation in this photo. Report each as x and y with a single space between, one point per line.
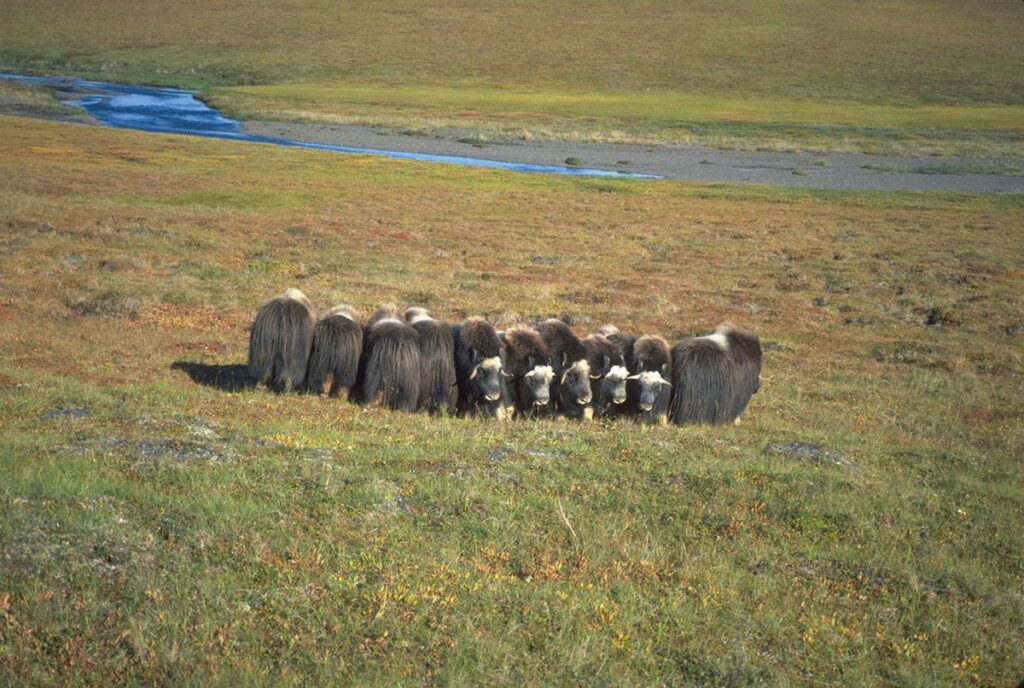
760 73
24 98
160 522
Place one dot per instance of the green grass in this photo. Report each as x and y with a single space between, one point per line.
158 530
800 74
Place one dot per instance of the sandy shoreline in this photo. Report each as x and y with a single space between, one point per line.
844 171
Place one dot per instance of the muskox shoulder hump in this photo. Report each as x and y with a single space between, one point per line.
480 336
651 353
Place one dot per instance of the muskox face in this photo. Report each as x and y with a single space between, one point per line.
537 385
575 384
485 379
649 387
613 385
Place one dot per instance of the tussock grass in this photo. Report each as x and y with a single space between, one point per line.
162 521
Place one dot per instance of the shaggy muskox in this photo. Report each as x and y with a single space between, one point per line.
280 341
608 374
622 340
390 370
438 392
478 368
649 391
528 373
571 386
337 348
714 376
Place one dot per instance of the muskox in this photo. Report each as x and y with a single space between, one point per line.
622 340
390 370
714 376
608 374
649 391
280 341
528 373
337 348
438 392
478 369
571 386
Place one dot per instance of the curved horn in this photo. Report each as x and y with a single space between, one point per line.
633 377
504 374
596 377
476 369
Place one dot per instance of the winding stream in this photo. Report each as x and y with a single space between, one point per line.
177 111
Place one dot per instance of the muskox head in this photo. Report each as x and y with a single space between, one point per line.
649 387
613 386
485 379
536 385
574 385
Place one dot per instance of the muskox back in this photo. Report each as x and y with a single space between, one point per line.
528 365
608 374
624 341
438 391
478 368
391 365
571 385
280 341
714 376
337 348
648 391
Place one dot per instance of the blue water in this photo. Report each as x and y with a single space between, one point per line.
176 111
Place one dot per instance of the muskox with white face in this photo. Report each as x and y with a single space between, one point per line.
714 376
280 341
649 391
478 368
571 386
528 373
608 374
337 348
438 392
391 361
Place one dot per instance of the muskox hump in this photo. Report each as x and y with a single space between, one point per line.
438 391
714 377
280 341
337 348
391 367
562 342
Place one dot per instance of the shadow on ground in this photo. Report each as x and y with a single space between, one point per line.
227 378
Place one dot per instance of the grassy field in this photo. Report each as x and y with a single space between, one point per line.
162 523
803 74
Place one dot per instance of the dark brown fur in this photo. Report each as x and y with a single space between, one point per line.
712 385
475 342
571 386
525 351
438 391
337 348
391 365
648 398
280 341
624 341
609 392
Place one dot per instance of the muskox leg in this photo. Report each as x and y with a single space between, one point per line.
662 419
286 384
327 386
737 421
588 413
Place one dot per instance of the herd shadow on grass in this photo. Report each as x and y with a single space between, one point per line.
227 378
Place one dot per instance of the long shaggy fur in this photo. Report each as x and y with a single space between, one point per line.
714 376
571 385
476 342
607 374
526 359
624 341
648 397
391 365
280 341
438 391
337 348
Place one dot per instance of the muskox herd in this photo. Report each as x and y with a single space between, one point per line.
412 361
